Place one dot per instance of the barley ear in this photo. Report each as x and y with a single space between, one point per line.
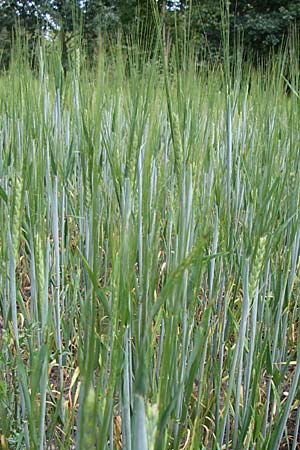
88 431
257 266
87 192
151 424
177 144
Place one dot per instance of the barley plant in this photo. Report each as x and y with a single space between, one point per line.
149 241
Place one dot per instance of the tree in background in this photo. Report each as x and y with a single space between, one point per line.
83 20
262 23
27 17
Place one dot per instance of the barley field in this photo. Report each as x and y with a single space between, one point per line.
149 242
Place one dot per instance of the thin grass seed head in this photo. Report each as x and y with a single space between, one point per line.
177 143
40 267
78 60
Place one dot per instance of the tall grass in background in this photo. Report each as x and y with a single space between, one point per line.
149 239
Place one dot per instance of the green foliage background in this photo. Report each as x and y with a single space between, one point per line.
261 24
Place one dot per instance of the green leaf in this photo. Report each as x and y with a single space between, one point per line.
3 195
99 292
